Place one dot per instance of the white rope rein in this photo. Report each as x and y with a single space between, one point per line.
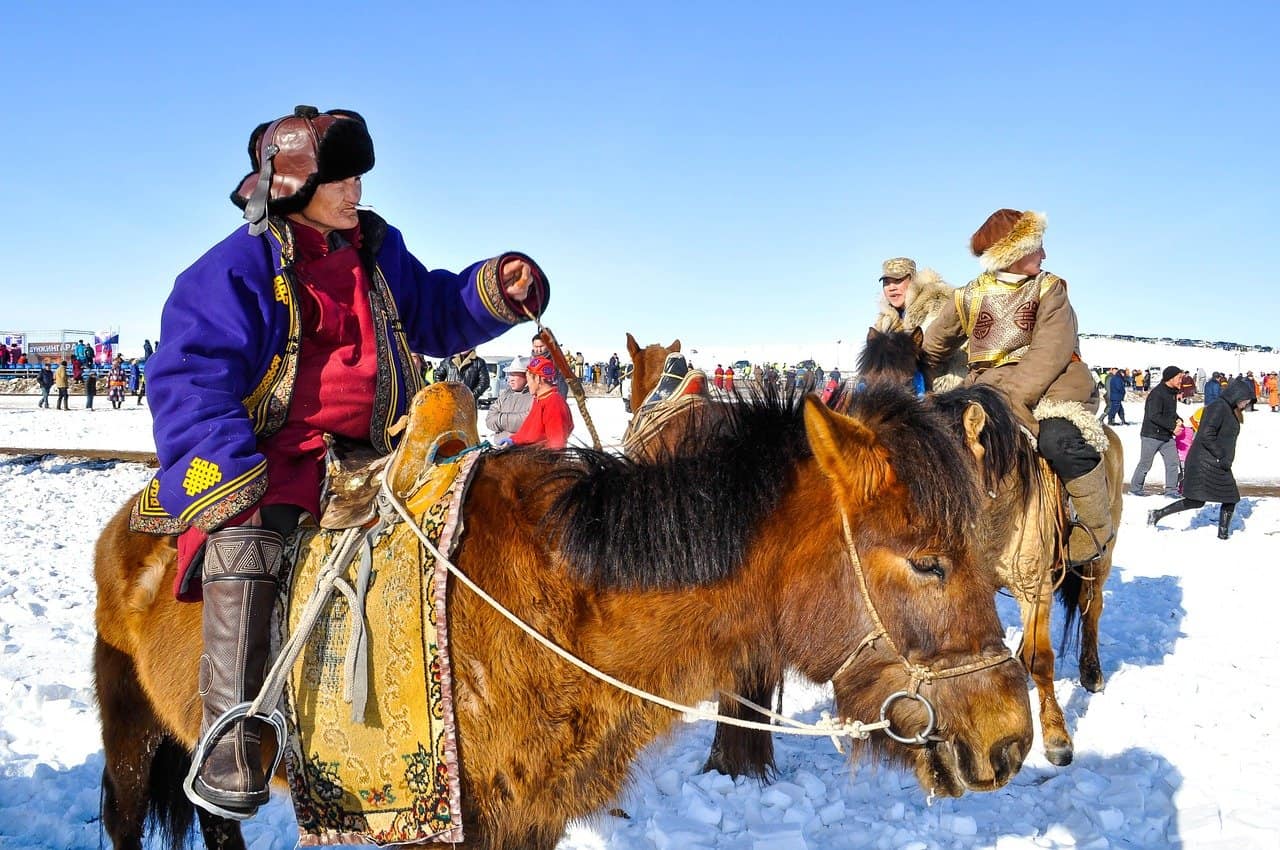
826 727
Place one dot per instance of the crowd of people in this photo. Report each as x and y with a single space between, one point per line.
118 378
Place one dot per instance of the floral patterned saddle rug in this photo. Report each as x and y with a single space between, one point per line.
372 751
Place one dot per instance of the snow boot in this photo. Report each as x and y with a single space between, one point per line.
1224 521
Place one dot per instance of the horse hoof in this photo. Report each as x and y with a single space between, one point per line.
1059 756
1092 681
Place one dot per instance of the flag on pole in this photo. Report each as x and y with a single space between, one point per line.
104 344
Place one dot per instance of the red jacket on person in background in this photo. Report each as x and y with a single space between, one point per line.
548 424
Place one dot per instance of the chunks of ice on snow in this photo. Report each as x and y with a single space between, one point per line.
814 788
959 824
1109 819
1128 793
701 808
666 832
832 812
668 782
715 781
773 796
778 837
1089 783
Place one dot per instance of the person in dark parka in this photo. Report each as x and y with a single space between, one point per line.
1208 474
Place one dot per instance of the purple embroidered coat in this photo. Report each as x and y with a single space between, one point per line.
231 328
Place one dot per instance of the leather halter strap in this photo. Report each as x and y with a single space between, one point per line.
919 673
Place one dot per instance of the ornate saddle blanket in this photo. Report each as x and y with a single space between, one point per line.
372 751
679 386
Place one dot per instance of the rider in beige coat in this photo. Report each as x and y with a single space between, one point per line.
1022 337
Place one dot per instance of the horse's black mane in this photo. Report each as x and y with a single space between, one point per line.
1006 449
890 352
893 353
688 517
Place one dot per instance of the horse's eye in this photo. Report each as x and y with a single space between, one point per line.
928 566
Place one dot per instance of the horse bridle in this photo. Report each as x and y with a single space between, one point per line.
920 674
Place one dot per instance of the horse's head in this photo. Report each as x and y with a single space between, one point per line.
1005 460
646 364
909 628
895 357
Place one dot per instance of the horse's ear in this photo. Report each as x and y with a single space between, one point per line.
632 345
848 453
917 337
974 419
673 347
872 333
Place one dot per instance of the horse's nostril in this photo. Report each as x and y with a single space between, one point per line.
1006 758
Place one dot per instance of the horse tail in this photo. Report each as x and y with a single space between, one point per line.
168 807
145 765
1070 592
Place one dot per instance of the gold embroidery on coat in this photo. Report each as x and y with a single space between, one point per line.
201 475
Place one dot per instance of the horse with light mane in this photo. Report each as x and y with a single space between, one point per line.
663 573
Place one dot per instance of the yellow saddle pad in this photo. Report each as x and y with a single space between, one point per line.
392 777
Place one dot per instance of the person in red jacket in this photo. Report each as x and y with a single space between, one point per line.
549 422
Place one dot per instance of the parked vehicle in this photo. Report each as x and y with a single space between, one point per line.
497 379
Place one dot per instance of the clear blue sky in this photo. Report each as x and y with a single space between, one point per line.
735 168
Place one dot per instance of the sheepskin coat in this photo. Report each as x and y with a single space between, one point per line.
927 296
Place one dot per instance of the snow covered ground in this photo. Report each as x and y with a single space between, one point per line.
1178 751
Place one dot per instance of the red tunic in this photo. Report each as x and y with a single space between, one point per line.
549 423
337 369
334 389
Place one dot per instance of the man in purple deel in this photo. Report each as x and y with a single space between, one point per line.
298 325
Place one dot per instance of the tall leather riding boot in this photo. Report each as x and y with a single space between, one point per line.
1092 502
1224 521
241 575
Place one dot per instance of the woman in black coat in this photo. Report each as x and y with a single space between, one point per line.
1208 471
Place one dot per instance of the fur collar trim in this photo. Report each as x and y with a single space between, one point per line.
927 294
1078 415
1027 236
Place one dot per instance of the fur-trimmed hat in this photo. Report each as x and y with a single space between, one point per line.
1006 237
292 155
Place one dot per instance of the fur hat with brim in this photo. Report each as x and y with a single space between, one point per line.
292 155
1006 237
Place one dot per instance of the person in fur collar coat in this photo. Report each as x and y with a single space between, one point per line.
1022 337
909 298
912 298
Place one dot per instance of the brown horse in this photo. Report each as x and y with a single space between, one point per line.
702 566
1023 531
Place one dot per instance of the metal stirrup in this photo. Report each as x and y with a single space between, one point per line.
224 721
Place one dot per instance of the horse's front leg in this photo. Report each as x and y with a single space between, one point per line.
1037 656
